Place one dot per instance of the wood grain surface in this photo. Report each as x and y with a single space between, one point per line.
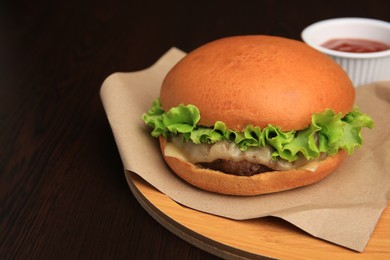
63 194
255 238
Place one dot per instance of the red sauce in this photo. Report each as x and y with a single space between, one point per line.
355 45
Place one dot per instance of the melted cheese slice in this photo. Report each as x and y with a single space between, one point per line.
197 153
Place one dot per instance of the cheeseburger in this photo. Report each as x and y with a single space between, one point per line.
250 115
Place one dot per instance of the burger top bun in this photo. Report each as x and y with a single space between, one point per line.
258 80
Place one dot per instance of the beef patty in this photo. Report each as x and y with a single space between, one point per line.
240 168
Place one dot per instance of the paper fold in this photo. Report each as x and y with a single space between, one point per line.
343 208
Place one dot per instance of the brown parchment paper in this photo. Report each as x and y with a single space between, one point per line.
343 208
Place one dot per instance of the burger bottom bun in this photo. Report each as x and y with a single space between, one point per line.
268 182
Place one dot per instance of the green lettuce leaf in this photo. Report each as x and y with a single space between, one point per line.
327 133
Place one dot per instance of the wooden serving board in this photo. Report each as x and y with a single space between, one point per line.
256 238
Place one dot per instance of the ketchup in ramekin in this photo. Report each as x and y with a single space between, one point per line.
355 45
364 62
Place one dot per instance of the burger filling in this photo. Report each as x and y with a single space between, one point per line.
227 157
254 150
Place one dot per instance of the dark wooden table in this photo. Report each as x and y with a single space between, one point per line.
63 194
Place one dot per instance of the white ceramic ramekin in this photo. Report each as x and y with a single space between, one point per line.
362 68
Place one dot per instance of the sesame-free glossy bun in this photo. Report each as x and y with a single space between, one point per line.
262 183
258 80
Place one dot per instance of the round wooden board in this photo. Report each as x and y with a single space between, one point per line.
267 237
